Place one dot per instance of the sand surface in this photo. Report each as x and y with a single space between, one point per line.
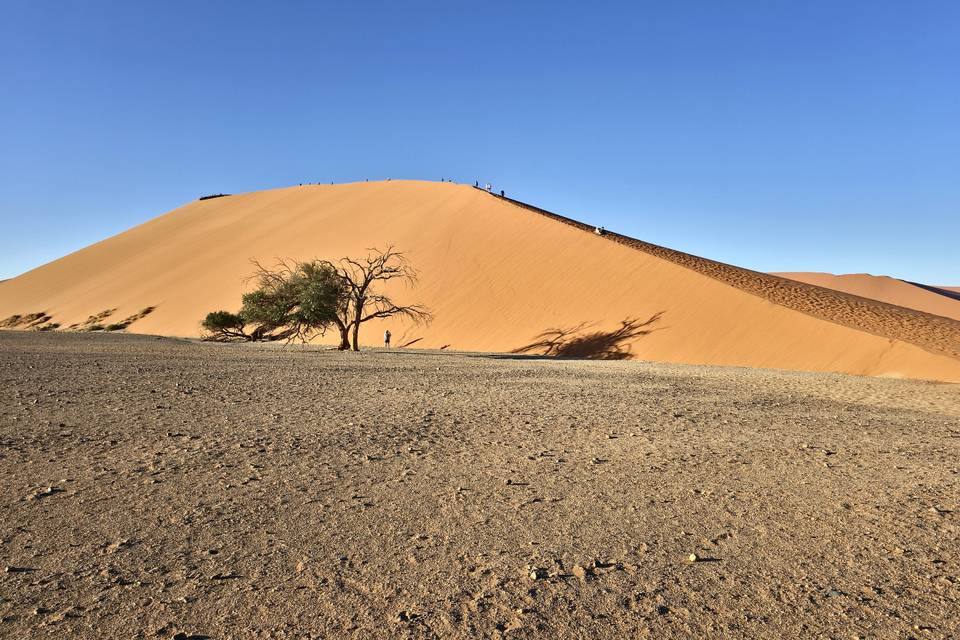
498 277
155 487
886 289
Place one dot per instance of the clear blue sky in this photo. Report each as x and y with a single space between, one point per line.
814 135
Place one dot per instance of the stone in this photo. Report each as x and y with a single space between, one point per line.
12 569
405 616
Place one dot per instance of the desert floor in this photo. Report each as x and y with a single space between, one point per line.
156 487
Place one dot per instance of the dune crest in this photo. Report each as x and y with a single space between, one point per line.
498 275
940 301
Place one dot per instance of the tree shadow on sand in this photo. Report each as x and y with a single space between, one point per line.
595 345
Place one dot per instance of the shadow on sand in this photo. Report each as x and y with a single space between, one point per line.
595 345
937 290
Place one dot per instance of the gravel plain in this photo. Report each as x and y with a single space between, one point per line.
163 488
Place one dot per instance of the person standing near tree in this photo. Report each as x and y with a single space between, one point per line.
386 338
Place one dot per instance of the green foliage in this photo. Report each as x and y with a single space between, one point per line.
223 326
293 300
267 308
222 320
318 291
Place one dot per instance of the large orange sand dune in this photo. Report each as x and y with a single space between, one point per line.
498 277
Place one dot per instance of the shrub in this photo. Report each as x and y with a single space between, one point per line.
224 326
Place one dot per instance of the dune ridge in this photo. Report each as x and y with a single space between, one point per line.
912 295
496 277
865 313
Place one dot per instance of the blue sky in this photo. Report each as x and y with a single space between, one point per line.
816 135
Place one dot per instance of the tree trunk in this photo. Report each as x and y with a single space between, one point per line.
344 338
356 336
358 304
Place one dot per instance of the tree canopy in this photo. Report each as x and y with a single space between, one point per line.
300 300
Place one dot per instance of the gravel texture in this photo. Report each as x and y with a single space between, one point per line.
155 487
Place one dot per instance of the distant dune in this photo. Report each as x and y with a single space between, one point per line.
498 276
941 301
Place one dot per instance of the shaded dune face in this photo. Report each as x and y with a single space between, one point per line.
497 275
940 301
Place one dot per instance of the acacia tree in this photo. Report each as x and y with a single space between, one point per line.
293 300
298 300
363 280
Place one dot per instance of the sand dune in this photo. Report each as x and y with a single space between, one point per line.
498 277
941 301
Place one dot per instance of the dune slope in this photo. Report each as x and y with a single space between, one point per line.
936 300
497 276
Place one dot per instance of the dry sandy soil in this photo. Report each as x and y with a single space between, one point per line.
155 487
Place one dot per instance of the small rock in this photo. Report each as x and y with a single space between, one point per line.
12 569
405 616
43 493
693 557
115 546
537 574
580 571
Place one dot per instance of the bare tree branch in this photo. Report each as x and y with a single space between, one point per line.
363 276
